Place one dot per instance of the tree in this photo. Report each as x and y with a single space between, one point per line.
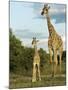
64 56
44 57
15 51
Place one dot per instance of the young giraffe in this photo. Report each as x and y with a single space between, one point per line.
36 61
55 43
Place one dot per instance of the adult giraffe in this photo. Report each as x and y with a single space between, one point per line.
55 43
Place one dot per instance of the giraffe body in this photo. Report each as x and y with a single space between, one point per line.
55 43
36 62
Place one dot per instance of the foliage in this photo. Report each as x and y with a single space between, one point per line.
44 58
15 51
21 58
64 56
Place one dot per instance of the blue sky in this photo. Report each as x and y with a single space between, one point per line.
27 22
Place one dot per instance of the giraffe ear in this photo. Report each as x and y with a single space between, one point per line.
33 37
49 7
32 42
37 40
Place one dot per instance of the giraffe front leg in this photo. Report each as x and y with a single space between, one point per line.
39 72
50 52
54 63
34 73
51 61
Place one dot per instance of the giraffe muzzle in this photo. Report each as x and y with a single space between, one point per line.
42 13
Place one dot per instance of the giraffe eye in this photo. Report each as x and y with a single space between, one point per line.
46 10
43 9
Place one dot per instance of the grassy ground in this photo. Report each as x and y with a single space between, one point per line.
20 81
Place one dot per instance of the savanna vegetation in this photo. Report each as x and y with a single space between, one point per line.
21 61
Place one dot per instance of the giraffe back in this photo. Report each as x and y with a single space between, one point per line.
55 41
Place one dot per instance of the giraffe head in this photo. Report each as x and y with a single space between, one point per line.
45 9
34 41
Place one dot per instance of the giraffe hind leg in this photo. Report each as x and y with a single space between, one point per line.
60 59
50 51
54 65
34 73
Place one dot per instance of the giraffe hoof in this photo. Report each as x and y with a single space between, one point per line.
50 62
33 80
40 79
53 75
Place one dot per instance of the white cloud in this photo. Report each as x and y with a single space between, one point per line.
57 8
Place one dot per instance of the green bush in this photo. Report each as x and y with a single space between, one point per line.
21 58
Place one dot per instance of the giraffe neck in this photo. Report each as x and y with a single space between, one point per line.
36 51
48 20
50 26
